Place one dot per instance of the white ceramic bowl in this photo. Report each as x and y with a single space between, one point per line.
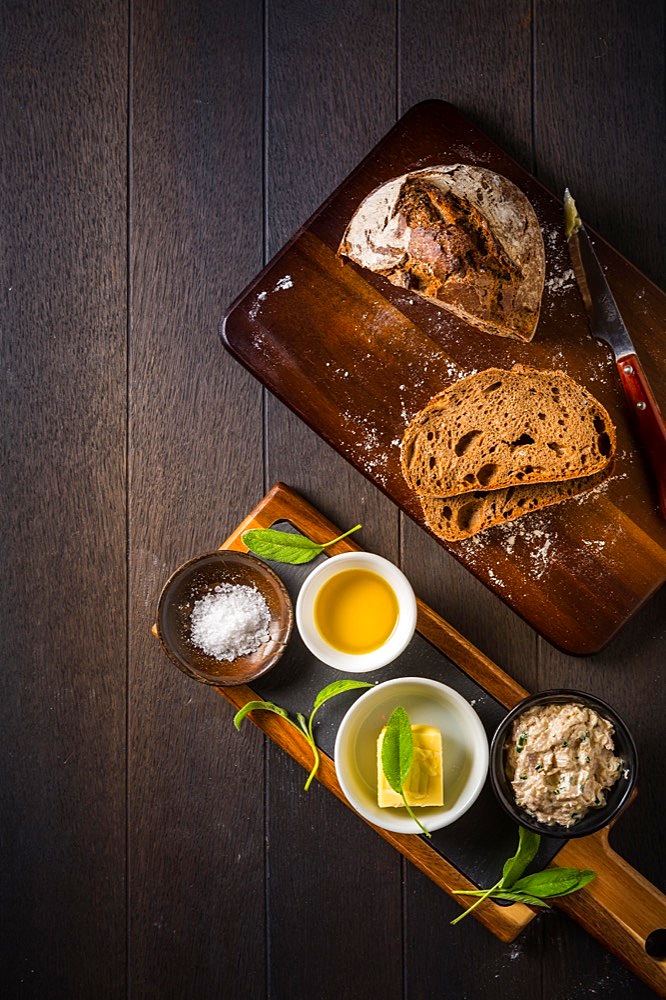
398 640
427 702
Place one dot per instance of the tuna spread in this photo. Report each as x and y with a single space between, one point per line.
560 762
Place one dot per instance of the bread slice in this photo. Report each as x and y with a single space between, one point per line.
460 236
498 428
459 517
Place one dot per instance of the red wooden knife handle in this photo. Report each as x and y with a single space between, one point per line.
649 421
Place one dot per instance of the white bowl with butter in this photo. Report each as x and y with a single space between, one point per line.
356 612
430 705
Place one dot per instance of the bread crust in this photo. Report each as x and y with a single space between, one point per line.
461 236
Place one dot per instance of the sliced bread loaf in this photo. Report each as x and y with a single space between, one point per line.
458 517
498 428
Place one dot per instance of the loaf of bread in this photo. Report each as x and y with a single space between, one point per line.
500 428
498 444
459 517
460 236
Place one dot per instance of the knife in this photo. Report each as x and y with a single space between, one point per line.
607 324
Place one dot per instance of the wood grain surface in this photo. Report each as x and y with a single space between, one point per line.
154 157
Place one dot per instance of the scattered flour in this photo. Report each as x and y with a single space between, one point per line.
280 285
283 283
561 282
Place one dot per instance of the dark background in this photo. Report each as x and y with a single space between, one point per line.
153 158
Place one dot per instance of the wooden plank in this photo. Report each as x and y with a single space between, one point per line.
62 795
330 94
196 814
447 51
599 129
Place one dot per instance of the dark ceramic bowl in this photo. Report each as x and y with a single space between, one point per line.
194 580
618 795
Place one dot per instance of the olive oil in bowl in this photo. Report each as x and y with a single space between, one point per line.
356 611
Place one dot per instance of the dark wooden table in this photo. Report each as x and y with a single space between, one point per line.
153 158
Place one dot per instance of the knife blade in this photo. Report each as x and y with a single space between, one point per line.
607 325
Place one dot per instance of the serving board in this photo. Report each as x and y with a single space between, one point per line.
356 358
620 908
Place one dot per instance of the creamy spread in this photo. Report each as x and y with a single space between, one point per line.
560 762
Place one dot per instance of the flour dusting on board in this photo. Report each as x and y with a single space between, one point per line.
370 453
280 285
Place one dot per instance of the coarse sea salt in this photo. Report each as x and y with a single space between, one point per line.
231 621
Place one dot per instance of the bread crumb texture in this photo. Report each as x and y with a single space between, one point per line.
498 444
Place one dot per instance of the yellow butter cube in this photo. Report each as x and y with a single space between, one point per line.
425 782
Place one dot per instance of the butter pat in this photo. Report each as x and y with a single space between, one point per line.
425 782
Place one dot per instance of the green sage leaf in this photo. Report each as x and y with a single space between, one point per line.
519 897
554 882
528 845
280 546
267 706
397 749
303 723
514 897
338 687
283 546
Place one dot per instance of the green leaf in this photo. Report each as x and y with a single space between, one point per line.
303 723
337 687
514 897
283 546
397 749
554 882
528 845
267 706
280 546
532 889
519 897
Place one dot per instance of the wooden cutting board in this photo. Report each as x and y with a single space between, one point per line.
619 907
356 358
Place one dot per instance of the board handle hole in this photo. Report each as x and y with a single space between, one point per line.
655 943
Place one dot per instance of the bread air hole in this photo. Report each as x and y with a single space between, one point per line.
469 478
493 387
521 441
604 444
557 448
469 516
487 473
465 441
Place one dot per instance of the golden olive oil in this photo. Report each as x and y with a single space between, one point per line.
356 611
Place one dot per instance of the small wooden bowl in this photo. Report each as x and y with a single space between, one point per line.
198 577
